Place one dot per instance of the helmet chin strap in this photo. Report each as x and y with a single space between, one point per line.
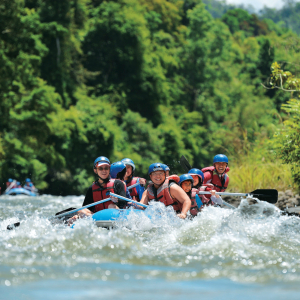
105 180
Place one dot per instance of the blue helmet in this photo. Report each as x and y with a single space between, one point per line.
220 158
101 160
185 177
10 180
166 167
116 168
27 180
18 183
128 161
197 172
156 167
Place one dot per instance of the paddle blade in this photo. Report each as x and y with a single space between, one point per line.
268 195
13 226
185 164
64 218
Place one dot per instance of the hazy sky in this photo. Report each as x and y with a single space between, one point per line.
258 4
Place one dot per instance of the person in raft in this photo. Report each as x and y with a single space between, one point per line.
18 185
197 176
11 183
216 175
118 171
206 200
186 182
136 193
166 190
167 170
29 185
100 189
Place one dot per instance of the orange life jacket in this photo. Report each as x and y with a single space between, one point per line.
163 194
220 184
101 193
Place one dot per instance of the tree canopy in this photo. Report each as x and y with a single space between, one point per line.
150 80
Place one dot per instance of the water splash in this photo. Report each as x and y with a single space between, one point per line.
253 243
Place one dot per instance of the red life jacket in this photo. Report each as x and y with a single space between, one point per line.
133 192
206 198
101 193
163 193
220 185
194 207
173 178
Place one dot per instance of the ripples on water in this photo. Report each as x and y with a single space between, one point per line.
219 248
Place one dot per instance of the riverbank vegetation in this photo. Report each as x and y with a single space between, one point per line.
150 80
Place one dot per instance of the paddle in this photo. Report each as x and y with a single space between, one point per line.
63 213
268 195
10 186
128 200
185 164
73 210
132 186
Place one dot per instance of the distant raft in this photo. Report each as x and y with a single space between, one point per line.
108 217
20 191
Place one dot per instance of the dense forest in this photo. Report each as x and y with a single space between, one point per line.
285 17
147 79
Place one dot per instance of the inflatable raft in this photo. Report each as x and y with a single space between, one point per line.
20 191
109 217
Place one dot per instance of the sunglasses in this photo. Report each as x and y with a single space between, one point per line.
103 168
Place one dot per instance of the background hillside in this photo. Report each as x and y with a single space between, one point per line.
147 79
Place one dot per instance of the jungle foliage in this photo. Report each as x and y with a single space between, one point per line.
147 79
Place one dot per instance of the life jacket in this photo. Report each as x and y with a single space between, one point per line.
220 184
133 192
194 207
101 193
162 194
173 178
206 198
28 185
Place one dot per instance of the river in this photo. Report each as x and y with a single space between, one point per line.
251 253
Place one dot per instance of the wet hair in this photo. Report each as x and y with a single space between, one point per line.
199 184
121 174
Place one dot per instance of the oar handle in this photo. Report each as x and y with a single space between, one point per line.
96 203
99 202
229 205
10 186
223 193
78 209
128 200
133 186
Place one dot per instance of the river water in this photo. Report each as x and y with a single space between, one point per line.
251 253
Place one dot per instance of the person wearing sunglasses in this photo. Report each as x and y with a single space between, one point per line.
137 192
101 189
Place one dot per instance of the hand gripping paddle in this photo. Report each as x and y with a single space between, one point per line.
73 210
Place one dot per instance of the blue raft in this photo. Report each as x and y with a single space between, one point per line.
20 191
108 217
